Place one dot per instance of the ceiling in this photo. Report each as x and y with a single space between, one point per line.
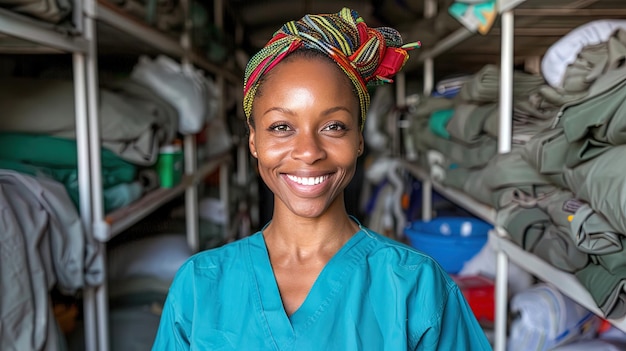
263 17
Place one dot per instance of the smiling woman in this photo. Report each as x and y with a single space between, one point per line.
314 278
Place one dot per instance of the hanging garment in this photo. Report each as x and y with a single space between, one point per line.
43 245
374 294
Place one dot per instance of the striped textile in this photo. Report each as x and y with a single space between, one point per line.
368 56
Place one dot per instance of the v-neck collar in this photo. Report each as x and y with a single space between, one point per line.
331 280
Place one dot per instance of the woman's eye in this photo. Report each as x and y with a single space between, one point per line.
336 127
280 128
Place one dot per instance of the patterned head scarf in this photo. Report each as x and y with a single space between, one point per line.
368 56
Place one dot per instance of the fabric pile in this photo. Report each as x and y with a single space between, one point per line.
138 115
560 191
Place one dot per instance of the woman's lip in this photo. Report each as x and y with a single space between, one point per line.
308 180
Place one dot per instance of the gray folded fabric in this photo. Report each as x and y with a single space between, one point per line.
504 178
525 225
532 229
593 234
556 247
53 11
546 153
461 154
134 121
595 124
608 290
601 182
484 87
467 123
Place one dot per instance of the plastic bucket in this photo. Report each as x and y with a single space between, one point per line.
451 241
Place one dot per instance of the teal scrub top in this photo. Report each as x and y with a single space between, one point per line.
374 294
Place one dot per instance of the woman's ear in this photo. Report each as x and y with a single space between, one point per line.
251 141
361 145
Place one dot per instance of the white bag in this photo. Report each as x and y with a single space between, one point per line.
195 97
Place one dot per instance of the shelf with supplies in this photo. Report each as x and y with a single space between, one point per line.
123 218
521 33
101 28
465 201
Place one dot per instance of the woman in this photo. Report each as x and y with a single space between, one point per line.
314 278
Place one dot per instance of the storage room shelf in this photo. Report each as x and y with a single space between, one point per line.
460 198
538 24
36 36
566 282
123 218
115 26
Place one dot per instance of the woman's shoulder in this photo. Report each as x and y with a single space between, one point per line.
393 252
219 257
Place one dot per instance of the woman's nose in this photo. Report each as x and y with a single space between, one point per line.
308 148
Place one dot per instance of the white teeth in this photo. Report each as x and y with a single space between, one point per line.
308 180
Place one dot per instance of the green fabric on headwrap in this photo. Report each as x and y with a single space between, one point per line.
368 56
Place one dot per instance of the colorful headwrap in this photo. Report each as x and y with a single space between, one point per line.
368 56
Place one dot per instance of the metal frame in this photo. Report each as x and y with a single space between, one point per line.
44 34
82 43
506 250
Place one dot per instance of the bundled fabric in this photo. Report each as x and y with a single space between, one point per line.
598 122
545 151
505 177
592 232
484 87
134 120
608 289
593 62
368 56
165 15
602 183
195 97
57 159
533 229
566 50
53 11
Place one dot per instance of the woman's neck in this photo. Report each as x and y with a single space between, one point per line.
305 238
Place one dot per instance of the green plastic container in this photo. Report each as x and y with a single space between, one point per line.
169 165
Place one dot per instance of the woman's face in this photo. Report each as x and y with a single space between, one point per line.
307 135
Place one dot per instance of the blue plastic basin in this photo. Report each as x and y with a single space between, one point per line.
451 241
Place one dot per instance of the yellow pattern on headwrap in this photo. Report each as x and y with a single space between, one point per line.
368 56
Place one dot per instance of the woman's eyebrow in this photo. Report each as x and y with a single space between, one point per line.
335 109
279 109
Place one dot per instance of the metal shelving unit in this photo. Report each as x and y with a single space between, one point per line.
99 17
507 250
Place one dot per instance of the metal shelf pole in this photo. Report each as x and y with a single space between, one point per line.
427 185
504 146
